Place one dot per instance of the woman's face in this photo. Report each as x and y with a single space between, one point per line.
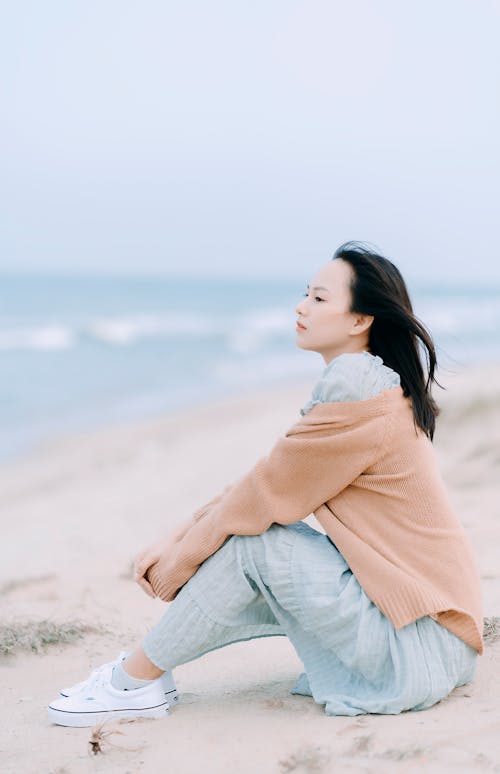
329 327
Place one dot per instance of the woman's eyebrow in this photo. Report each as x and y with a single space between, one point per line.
319 287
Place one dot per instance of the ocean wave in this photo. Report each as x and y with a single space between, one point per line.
128 330
241 332
47 337
461 316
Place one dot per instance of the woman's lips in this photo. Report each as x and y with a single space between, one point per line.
300 327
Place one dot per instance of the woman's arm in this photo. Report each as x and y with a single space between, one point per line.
317 458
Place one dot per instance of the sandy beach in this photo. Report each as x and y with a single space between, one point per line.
74 514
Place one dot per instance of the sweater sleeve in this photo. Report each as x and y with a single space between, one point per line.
307 466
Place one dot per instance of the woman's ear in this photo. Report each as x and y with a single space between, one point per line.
362 323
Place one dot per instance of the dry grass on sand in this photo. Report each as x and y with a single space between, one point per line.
35 635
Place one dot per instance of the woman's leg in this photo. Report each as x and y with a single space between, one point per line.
222 603
232 597
138 665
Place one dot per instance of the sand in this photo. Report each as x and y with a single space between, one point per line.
76 511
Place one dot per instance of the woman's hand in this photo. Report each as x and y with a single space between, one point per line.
146 558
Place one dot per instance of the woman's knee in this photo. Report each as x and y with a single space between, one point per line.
272 542
238 545
275 538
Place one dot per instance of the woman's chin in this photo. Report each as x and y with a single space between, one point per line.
303 345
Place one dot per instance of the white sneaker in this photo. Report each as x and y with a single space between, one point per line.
78 686
167 680
98 700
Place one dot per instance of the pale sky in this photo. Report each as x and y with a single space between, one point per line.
247 138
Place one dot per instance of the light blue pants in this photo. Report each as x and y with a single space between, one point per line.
292 581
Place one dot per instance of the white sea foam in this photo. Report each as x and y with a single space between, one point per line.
46 337
457 315
272 320
251 331
127 330
244 332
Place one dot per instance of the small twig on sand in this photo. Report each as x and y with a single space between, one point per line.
99 736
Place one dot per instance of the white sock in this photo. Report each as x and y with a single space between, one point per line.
123 681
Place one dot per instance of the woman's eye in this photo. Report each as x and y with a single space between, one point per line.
316 298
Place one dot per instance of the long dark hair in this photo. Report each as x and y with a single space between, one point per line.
378 289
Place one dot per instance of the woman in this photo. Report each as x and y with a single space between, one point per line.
384 609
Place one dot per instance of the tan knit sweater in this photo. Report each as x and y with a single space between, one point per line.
373 482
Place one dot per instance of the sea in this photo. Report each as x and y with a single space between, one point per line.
77 353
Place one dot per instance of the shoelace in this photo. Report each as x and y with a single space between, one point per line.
100 676
86 682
